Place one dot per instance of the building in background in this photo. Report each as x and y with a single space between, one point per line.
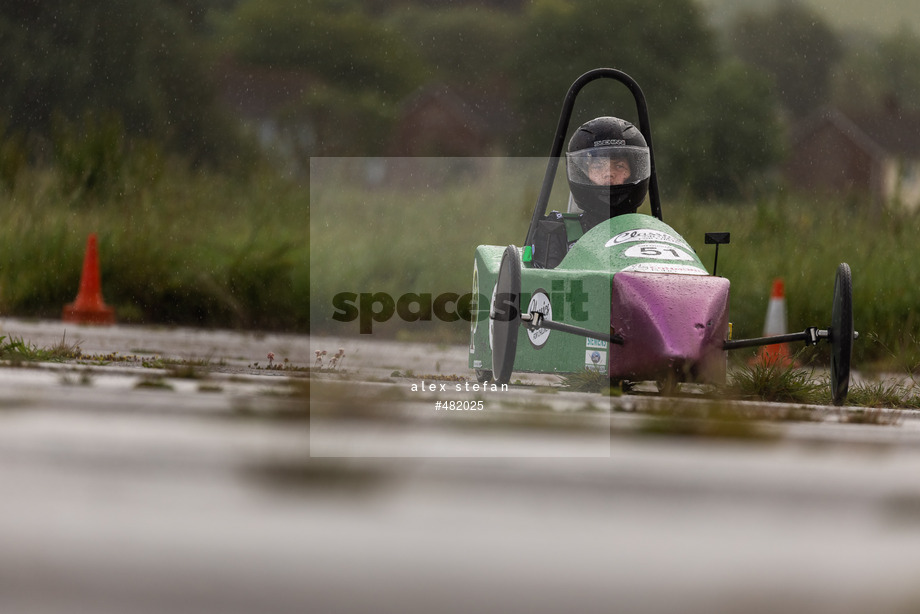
874 156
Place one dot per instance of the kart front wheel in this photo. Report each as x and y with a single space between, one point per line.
841 334
505 314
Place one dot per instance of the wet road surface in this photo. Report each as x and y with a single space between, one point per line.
133 488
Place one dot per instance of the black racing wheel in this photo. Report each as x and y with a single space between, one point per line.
841 334
506 315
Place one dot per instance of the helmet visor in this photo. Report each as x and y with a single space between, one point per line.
609 165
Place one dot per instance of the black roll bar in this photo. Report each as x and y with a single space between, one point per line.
562 127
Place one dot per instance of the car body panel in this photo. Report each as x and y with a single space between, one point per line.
632 273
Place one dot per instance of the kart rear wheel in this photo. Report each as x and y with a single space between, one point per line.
506 315
841 334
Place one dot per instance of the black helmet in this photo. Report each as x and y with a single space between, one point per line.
608 167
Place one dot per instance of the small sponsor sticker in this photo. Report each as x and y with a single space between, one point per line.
595 360
646 234
540 302
477 364
595 343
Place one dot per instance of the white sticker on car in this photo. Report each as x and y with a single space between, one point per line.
658 251
540 302
596 360
646 234
661 267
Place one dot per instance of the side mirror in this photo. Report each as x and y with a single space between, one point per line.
717 239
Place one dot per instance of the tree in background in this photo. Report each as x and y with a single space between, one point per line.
795 47
469 46
364 64
714 124
139 61
361 67
880 72
655 43
722 135
333 39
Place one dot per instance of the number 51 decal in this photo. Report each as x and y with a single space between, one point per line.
659 251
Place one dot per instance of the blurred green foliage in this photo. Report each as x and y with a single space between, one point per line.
156 67
337 41
113 124
201 249
848 16
794 46
344 123
656 44
95 158
472 46
722 136
141 61
14 155
878 72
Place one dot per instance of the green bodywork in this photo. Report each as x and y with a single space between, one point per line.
578 291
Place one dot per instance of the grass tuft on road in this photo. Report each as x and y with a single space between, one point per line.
777 382
589 380
16 350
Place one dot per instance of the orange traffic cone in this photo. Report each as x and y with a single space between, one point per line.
89 307
775 324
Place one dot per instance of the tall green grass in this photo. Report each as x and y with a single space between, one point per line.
418 233
209 249
802 241
192 248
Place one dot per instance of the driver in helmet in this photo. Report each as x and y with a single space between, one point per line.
608 169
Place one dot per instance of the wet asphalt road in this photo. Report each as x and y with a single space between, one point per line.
132 488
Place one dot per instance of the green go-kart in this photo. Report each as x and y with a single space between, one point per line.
631 298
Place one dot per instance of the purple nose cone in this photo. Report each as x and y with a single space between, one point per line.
673 325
